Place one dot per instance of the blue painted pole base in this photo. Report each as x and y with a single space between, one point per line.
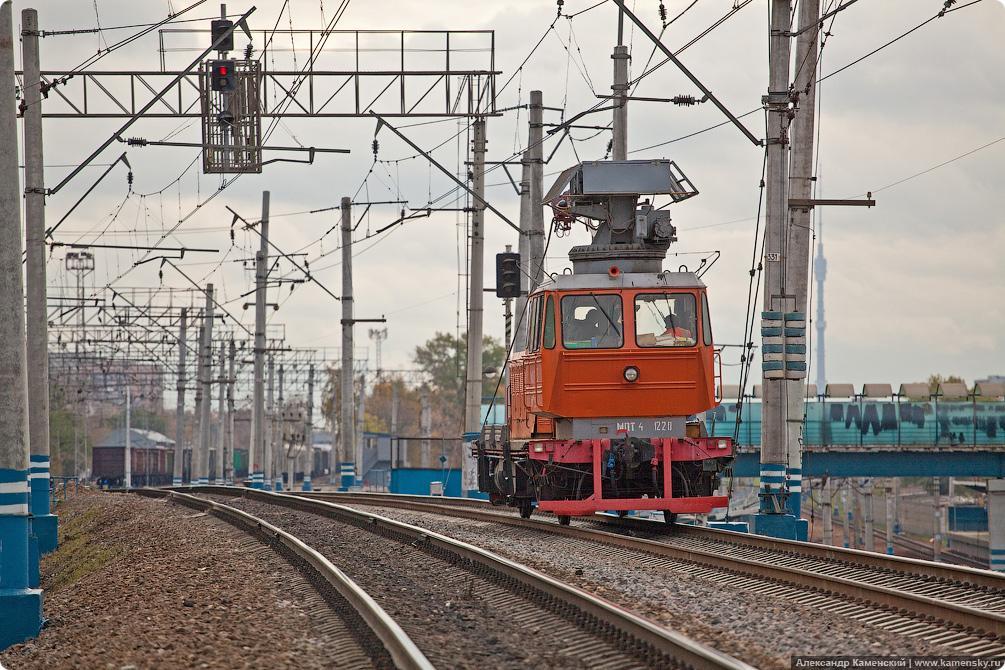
45 528
783 526
735 526
34 567
307 486
279 484
20 615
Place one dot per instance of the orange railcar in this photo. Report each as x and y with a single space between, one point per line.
600 396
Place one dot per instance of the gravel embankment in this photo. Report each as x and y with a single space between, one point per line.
455 617
140 583
764 633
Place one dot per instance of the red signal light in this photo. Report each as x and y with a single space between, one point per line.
222 70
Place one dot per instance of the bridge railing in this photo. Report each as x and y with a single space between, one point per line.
866 422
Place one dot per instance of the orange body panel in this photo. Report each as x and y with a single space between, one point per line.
589 383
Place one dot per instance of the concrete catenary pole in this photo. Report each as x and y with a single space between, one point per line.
889 518
846 517
868 532
771 519
43 523
279 435
20 606
307 457
179 412
256 450
228 465
197 413
425 427
827 511
221 417
535 157
270 420
206 378
996 524
797 238
619 89
347 428
127 456
476 280
360 427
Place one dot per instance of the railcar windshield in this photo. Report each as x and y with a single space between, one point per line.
665 320
592 321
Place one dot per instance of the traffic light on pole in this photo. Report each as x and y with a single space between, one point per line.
508 275
222 76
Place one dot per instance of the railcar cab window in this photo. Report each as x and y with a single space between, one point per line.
592 321
665 320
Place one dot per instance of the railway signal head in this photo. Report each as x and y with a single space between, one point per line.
508 275
218 28
222 76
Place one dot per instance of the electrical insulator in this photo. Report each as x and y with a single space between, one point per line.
248 51
663 14
684 100
376 146
560 3
129 180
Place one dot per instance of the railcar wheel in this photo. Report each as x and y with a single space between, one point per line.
669 517
622 513
526 509
564 520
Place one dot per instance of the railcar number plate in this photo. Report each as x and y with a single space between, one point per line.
634 426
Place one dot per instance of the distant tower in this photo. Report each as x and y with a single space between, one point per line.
820 272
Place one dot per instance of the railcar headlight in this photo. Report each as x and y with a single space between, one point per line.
631 374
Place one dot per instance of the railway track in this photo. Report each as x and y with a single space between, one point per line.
956 607
364 635
582 630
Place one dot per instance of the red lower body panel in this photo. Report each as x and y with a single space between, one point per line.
668 450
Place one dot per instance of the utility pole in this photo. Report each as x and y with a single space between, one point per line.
127 456
797 241
347 427
256 451
508 309
827 511
179 413
476 280
846 517
270 428
221 442
360 427
426 425
278 436
197 414
206 359
531 244
43 523
378 335
889 517
868 534
772 519
535 150
20 602
228 464
308 454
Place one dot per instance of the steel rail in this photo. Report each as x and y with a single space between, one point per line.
977 577
660 646
401 649
952 613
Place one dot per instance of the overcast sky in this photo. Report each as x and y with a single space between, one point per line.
915 285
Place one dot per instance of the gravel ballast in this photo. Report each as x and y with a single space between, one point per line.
457 618
762 632
141 583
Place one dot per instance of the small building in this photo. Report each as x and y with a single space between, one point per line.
152 458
